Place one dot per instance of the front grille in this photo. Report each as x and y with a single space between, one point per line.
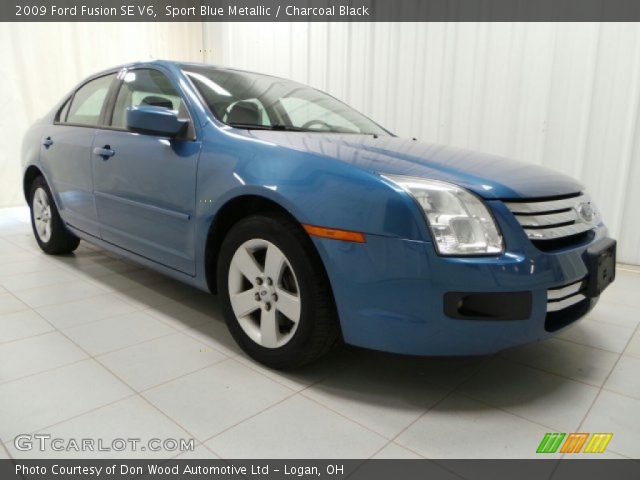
552 222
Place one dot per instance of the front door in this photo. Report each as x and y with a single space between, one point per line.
145 185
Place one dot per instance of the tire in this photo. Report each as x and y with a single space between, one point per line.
48 228
268 265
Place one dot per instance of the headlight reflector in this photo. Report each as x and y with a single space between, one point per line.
460 222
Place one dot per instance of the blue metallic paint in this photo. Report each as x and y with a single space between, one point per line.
388 290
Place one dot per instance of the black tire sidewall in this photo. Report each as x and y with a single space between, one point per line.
61 239
305 270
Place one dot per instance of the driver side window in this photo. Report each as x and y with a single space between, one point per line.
146 87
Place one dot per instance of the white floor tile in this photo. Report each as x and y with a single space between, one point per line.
145 297
123 282
634 345
24 239
36 354
22 324
310 431
460 427
621 296
385 400
625 377
627 280
150 363
335 361
25 281
579 362
17 260
180 315
130 418
219 397
22 263
113 333
617 414
538 396
623 315
59 293
10 304
175 290
101 266
397 452
216 335
591 333
35 402
70 314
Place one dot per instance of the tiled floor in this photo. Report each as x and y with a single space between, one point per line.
95 347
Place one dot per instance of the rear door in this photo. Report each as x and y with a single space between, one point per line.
66 152
145 191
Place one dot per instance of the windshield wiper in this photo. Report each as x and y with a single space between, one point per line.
277 126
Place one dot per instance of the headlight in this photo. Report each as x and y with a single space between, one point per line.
459 221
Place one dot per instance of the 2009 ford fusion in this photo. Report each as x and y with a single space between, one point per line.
313 223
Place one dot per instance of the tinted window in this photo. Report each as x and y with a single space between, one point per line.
260 101
146 87
88 100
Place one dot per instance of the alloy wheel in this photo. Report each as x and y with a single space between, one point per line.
264 293
41 209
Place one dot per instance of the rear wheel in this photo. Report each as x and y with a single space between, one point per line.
275 294
52 235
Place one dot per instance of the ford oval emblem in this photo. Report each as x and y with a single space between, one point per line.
586 212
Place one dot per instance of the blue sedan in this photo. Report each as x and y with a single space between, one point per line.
313 223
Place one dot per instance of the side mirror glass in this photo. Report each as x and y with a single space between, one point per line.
152 120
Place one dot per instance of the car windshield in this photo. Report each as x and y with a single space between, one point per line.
254 101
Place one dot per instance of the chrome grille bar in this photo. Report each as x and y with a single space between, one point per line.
560 293
566 296
562 304
552 219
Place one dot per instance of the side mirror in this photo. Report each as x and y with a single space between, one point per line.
151 120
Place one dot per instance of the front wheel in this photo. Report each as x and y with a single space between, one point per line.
275 294
48 228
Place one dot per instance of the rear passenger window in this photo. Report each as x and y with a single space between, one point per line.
88 100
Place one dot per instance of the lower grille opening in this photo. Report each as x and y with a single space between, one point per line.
488 306
561 318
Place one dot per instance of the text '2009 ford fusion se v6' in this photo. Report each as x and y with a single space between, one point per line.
313 223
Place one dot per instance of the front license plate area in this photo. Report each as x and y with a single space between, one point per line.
601 264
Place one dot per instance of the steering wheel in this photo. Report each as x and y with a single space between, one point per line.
322 123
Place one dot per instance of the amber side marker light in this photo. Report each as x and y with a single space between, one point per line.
335 234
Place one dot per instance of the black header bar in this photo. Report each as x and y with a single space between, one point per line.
319 10
555 468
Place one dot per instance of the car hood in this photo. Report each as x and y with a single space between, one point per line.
489 176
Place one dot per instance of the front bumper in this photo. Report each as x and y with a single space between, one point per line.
390 293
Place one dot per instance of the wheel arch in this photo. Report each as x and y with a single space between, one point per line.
30 174
232 212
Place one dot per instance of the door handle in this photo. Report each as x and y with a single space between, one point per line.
104 152
47 142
